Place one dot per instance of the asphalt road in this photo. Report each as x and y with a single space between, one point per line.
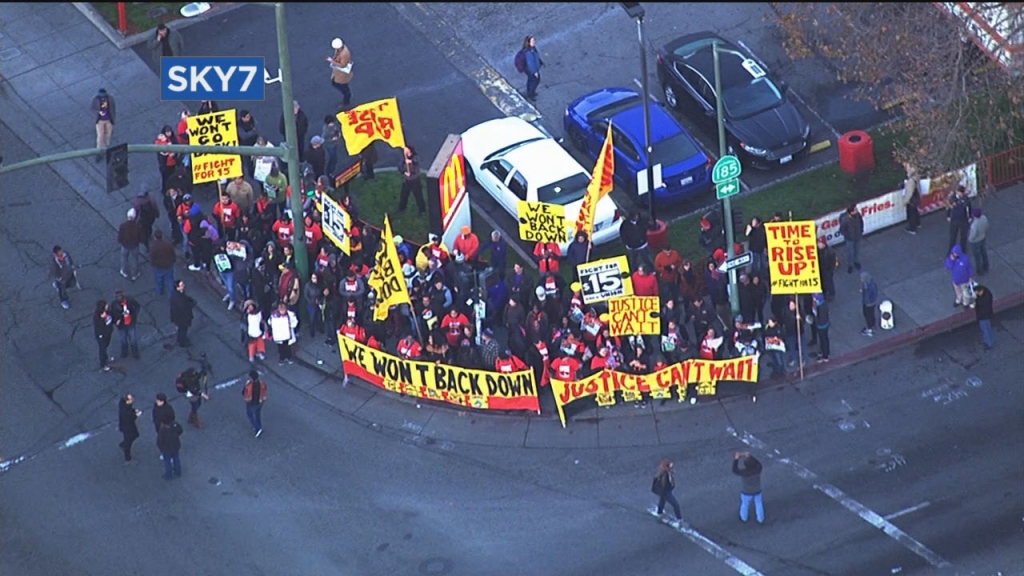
390 59
931 434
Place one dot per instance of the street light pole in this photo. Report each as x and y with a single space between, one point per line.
291 145
647 119
730 234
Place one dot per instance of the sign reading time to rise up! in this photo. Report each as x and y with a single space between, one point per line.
211 78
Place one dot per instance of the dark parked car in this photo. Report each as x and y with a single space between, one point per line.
762 126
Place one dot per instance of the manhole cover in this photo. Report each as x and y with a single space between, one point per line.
436 566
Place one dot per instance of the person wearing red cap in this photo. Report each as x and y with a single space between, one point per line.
467 243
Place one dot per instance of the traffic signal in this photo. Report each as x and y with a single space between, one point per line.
117 167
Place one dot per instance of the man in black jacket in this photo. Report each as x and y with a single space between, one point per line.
827 264
983 313
162 411
301 127
181 312
851 226
125 312
757 243
127 415
749 470
633 233
168 441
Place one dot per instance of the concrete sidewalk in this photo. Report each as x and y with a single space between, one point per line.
54 60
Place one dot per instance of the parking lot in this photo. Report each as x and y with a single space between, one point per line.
589 46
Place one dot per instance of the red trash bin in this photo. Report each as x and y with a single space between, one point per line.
657 238
856 152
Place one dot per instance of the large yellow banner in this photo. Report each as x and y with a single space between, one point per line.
793 257
602 180
462 386
378 120
604 384
386 278
214 129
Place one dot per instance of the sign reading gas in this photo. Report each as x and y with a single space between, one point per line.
211 78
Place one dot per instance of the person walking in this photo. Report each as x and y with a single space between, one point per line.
165 42
528 62
62 271
162 258
341 70
976 238
190 384
103 329
255 394
168 441
958 214
127 424
163 412
868 301
820 308
851 226
962 274
663 485
129 236
106 110
748 469
633 232
125 311
983 313
181 312
282 331
411 182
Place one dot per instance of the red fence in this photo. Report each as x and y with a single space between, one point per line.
1003 168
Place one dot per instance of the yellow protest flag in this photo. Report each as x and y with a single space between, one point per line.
378 120
601 183
386 278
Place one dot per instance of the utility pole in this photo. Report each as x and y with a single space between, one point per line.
291 143
730 234
142 148
647 117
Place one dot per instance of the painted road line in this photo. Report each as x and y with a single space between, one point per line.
823 145
711 547
845 500
81 437
910 510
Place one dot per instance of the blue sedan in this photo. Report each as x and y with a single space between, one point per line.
685 169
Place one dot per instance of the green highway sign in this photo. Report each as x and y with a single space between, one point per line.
727 188
727 168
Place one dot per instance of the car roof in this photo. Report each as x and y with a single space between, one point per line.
731 58
543 162
631 122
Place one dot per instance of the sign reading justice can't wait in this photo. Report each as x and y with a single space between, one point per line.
793 257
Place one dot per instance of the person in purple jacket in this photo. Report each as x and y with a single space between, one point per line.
962 274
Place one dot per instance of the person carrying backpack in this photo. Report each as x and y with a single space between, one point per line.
663 485
528 62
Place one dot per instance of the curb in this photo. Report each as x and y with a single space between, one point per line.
122 42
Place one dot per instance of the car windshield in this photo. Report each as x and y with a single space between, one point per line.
564 191
673 150
749 99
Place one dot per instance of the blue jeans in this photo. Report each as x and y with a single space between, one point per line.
253 412
671 499
853 253
129 337
164 277
758 262
532 82
745 507
777 361
986 333
636 256
346 92
229 284
332 160
980 256
791 346
171 464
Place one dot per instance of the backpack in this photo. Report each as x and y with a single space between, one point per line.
520 61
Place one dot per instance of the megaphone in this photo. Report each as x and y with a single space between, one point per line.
888 321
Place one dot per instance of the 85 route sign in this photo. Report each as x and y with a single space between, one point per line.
727 168
604 279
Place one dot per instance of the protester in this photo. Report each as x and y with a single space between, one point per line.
181 313
103 330
528 62
962 274
125 312
828 261
165 42
822 323
983 313
749 469
62 271
127 419
851 226
162 411
255 394
958 214
412 184
341 70
301 127
976 238
633 233
129 236
757 244
168 442
868 300
104 107
283 323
